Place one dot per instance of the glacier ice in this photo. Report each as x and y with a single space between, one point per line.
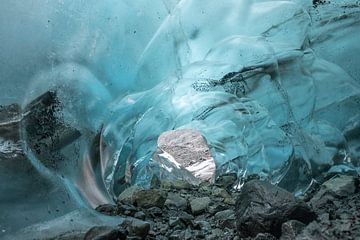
272 86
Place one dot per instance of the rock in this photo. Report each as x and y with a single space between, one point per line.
176 223
185 217
265 236
325 218
176 235
229 201
226 219
198 234
226 181
202 225
290 229
216 207
127 195
220 192
341 185
174 200
177 184
139 228
140 215
204 187
149 198
189 148
263 208
107 209
163 228
312 231
199 205
154 212
337 187
224 214
215 234
126 209
105 233
188 234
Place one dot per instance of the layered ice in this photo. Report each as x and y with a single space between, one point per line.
273 87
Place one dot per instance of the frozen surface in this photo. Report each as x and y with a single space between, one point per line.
272 86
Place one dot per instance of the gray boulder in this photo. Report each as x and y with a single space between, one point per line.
174 200
336 187
291 229
139 228
127 195
199 205
263 208
105 233
149 198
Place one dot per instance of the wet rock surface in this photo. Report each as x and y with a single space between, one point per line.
263 208
104 232
187 212
262 211
337 204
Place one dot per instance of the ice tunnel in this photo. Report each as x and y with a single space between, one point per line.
97 96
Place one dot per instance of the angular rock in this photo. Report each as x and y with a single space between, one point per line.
185 217
126 209
226 219
105 233
176 223
202 225
224 214
199 205
140 215
341 185
107 209
290 229
176 235
336 187
176 184
265 236
127 195
216 207
154 212
312 231
226 180
139 228
149 198
263 208
174 200
215 234
220 192
229 201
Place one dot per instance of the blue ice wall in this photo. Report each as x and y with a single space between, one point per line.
273 86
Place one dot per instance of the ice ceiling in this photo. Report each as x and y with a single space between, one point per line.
273 86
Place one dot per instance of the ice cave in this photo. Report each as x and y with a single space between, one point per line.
179 119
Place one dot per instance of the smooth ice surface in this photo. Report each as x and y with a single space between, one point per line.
273 86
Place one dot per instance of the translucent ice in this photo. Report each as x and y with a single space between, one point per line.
272 86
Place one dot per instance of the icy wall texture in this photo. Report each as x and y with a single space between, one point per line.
273 86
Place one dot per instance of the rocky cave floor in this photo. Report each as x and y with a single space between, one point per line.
259 211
